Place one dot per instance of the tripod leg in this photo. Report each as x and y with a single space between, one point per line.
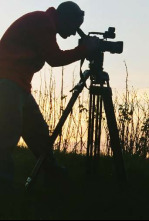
94 131
89 128
32 178
98 126
92 125
114 134
77 90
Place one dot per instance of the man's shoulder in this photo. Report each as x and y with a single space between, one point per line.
46 18
33 16
50 13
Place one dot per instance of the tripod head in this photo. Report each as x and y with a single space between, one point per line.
98 76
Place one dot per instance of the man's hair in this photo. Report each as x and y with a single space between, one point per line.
70 10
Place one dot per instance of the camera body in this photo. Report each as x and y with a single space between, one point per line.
104 45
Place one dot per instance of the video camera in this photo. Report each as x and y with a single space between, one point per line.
104 45
98 76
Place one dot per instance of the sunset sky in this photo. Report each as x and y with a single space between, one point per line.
129 17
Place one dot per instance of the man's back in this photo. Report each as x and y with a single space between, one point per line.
21 46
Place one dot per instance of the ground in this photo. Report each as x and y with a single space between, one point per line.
81 195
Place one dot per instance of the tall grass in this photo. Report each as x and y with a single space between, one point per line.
131 109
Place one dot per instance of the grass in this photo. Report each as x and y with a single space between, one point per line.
81 197
131 111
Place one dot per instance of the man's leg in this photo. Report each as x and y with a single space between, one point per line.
36 136
35 130
10 129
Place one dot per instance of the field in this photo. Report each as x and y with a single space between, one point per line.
80 196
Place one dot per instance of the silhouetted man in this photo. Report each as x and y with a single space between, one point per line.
25 47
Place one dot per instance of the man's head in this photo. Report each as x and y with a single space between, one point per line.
70 18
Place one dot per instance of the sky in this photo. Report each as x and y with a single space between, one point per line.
129 17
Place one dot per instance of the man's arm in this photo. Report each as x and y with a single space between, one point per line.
56 57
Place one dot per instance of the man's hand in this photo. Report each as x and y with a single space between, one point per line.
92 45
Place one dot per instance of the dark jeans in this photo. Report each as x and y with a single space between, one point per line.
19 116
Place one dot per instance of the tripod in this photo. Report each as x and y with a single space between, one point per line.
98 94
101 94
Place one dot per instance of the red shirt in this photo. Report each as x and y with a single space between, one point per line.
30 42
